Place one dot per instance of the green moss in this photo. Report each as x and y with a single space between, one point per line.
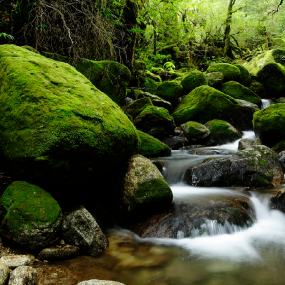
156 70
229 71
153 76
151 147
169 66
26 206
269 124
169 90
279 147
244 77
50 109
195 79
149 83
204 104
136 107
258 89
195 132
222 131
238 91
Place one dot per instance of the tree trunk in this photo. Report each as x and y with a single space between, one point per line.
227 38
154 39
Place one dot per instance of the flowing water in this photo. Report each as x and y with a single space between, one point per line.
223 254
265 103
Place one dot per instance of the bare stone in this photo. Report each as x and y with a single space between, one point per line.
13 261
4 273
23 275
99 282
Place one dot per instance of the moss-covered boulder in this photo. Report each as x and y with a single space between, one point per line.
257 166
195 132
56 129
281 100
157 70
279 147
269 124
169 90
194 79
169 66
153 76
258 89
205 103
136 107
110 77
144 190
150 84
238 91
156 100
246 143
152 117
222 132
244 78
151 147
215 79
269 68
30 217
229 71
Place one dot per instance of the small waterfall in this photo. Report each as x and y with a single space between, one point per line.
265 103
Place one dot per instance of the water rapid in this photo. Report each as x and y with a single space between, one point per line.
265 103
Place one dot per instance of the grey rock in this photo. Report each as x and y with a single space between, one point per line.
156 100
4 273
79 228
59 253
206 151
246 143
257 166
281 158
277 202
249 105
175 142
13 261
99 282
23 275
215 79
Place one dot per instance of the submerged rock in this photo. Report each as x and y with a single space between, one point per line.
151 147
206 151
192 218
246 143
195 133
99 282
79 228
222 132
269 124
57 129
195 79
23 275
229 71
218 105
144 189
257 166
30 216
59 253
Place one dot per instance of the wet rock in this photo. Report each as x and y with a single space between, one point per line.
158 132
174 142
250 106
156 100
246 143
30 216
4 273
158 164
23 275
144 189
215 79
277 202
209 152
14 261
99 282
222 132
281 158
257 166
195 133
59 253
188 218
79 228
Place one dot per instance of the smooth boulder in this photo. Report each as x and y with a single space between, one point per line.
156 100
229 71
244 78
29 216
57 129
169 90
257 166
193 80
195 133
246 143
59 253
23 275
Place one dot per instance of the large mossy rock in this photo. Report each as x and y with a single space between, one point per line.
195 79
144 189
230 72
238 91
151 147
56 129
257 166
169 90
269 68
152 117
110 77
244 78
269 124
222 132
258 89
137 106
205 103
30 217
195 133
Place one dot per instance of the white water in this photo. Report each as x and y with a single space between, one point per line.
265 103
242 244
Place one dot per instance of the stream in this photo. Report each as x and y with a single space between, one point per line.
223 254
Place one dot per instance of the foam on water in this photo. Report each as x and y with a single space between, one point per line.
265 103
